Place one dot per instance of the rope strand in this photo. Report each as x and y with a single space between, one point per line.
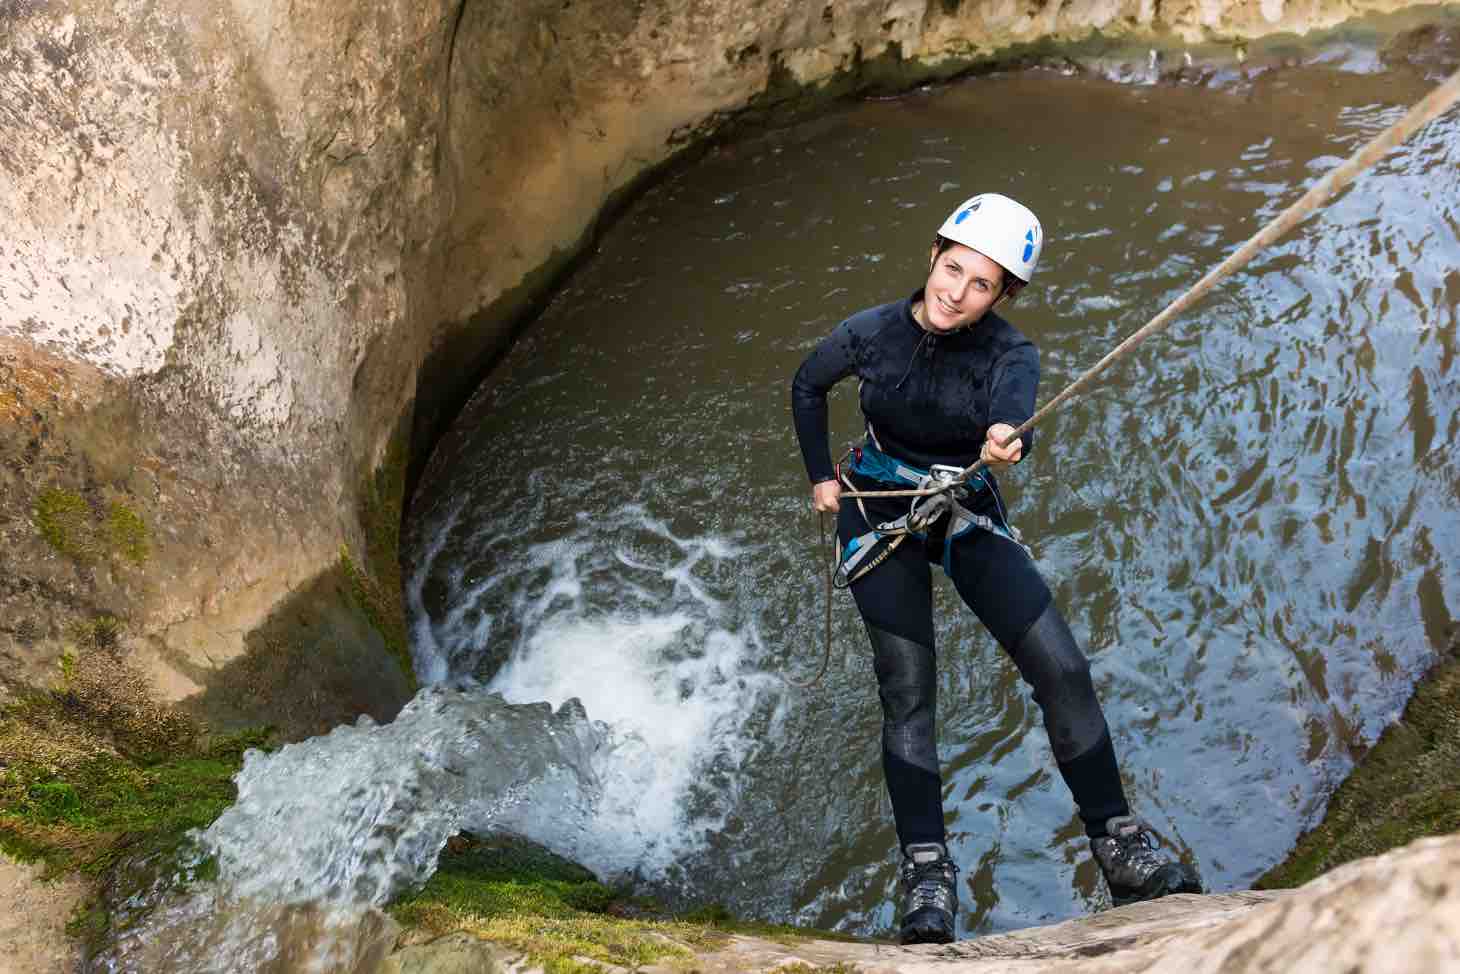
1426 110
830 568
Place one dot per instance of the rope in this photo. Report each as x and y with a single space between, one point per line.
1426 110
830 569
1432 106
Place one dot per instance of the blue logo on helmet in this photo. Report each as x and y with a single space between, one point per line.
1029 245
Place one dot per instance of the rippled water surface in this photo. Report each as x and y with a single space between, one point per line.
1251 527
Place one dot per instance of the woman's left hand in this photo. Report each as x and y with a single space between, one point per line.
1000 456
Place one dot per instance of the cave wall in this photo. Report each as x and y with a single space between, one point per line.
213 215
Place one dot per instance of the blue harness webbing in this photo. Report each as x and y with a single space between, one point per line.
872 463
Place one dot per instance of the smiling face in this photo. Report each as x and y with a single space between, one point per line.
962 286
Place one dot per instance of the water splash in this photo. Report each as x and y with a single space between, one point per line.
339 823
628 617
368 808
328 830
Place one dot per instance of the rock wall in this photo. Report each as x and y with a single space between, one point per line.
1396 912
250 245
213 214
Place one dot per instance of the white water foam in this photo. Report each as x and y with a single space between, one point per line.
325 829
622 615
667 721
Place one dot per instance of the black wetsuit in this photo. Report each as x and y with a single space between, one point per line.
929 399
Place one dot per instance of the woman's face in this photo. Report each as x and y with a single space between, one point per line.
962 286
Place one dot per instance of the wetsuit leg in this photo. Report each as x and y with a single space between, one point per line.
895 600
1001 584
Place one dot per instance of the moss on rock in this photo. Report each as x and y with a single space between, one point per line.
1407 786
94 765
75 802
527 899
519 895
63 519
126 534
376 584
68 524
383 609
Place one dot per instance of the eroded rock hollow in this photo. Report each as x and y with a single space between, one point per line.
254 254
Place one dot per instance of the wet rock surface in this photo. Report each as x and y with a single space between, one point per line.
452 954
1396 912
32 927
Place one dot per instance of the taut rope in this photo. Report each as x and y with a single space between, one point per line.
1432 106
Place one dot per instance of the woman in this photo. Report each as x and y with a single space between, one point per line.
945 380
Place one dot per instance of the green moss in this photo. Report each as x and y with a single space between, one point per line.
376 584
63 519
553 911
89 923
105 699
383 608
1407 787
101 632
126 533
68 524
520 895
75 803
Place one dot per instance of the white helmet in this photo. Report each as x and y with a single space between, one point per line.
1004 231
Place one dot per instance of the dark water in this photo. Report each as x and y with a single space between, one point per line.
1251 527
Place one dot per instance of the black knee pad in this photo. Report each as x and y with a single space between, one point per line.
1051 663
907 685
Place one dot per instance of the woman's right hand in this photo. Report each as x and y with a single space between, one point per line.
827 496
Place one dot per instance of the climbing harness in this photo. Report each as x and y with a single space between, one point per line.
923 512
1426 110
931 500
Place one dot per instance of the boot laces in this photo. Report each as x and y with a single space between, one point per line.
1137 846
930 883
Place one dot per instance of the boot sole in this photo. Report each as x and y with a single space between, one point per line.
926 926
1169 879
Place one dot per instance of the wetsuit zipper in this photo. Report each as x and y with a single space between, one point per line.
912 360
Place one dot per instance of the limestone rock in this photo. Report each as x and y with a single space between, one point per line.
211 214
456 953
1399 912
33 922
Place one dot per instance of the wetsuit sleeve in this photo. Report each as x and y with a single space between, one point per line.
833 359
1014 387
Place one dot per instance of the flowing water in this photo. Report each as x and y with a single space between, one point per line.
328 829
1251 527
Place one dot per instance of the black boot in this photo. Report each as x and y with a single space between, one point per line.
929 894
1133 870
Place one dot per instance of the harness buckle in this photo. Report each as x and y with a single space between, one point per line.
943 473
